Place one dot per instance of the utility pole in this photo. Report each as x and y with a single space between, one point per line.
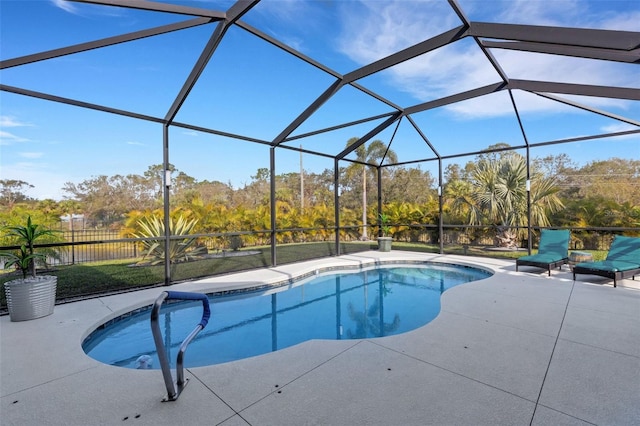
301 182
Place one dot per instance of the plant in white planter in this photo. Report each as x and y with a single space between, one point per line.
31 296
384 241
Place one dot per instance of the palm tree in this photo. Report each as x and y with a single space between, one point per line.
375 153
499 195
458 199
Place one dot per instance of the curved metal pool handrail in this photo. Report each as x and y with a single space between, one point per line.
172 392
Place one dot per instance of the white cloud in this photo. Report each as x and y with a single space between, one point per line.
10 121
91 9
484 107
135 143
618 127
449 70
31 155
65 5
537 66
627 22
7 138
553 13
621 127
300 18
378 29
383 28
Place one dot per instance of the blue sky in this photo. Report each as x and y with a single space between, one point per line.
252 88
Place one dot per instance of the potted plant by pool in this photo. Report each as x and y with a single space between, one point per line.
384 240
31 296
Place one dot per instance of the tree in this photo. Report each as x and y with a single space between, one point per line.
183 189
375 152
107 199
155 179
617 179
256 193
12 192
214 192
97 195
454 172
70 208
458 200
408 185
499 196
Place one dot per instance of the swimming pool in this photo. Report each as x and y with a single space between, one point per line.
364 303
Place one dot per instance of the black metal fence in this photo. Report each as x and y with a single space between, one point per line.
81 246
94 246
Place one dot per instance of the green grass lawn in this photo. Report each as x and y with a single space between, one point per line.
100 278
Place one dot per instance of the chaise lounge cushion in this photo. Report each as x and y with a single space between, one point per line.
626 249
554 243
623 260
543 258
552 251
609 265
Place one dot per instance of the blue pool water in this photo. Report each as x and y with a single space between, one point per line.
360 304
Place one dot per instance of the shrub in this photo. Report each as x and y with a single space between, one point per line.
180 250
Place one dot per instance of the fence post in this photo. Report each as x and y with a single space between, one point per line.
73 246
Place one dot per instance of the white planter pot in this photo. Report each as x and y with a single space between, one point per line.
31 298
384 243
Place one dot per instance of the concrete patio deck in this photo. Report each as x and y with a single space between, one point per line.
514 349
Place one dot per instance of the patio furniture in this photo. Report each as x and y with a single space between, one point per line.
623 261
576 257
553 250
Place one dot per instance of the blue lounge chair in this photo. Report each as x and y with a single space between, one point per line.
623 261
553 251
